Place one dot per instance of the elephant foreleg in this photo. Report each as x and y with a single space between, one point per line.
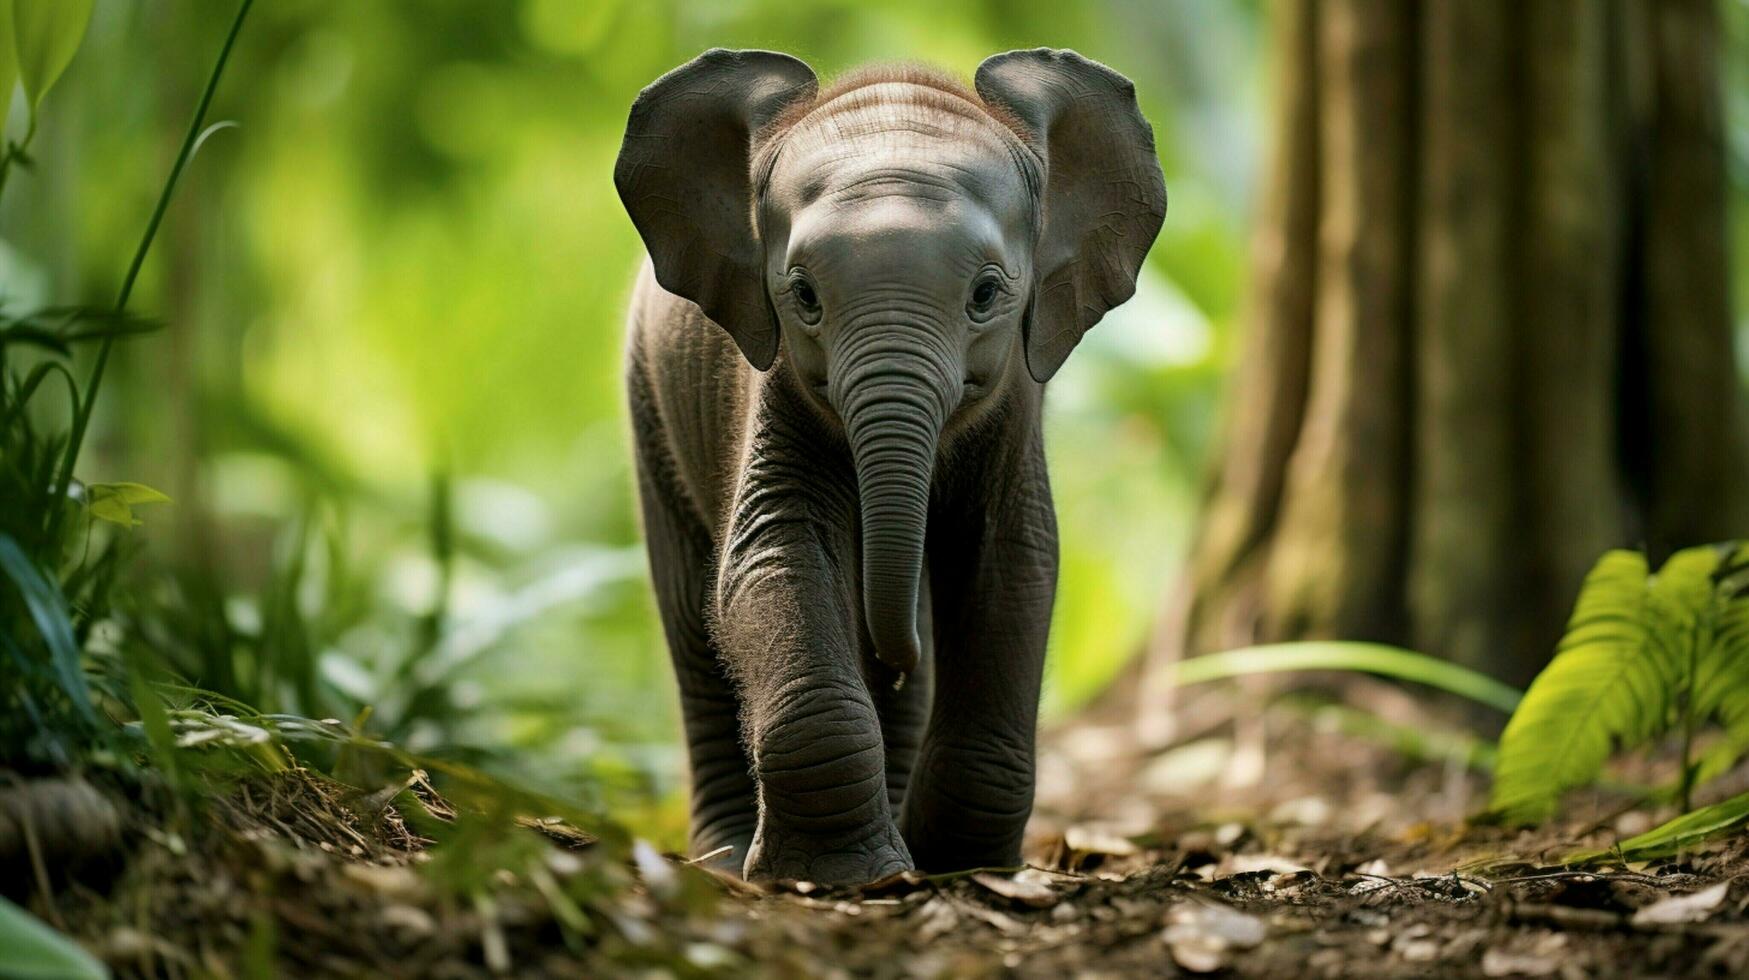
785 625
971 793
723 801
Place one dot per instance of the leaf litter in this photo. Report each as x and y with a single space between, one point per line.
1328 865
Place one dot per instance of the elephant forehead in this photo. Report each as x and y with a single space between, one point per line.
904 140
895 233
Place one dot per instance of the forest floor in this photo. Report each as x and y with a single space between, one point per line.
1287 841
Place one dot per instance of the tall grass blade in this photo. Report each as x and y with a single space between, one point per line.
48 610
1675 835
83 419
1372 658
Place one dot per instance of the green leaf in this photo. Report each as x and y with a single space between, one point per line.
58 327
154 717
1637 652
36 952
48 609
1674 835
46 34
8 61
1374 658
114 502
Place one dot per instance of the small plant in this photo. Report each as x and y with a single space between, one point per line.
1644 655
55 579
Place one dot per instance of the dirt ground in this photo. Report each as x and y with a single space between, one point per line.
1296 840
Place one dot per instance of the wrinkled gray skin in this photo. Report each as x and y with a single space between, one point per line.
836 364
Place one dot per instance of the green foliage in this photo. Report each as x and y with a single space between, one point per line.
257 654
45 34
57 329
55 577
1643 655
406 246
33 951
8 61
1675 835
353 284
114 502
54 623
37 40
62 592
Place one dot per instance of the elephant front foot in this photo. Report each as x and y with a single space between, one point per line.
788 856
823 809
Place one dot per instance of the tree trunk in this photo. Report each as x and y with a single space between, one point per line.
1489 326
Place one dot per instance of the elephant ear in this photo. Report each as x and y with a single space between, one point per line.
1103 197
684 176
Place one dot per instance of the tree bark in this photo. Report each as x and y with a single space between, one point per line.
1489 326
1240 514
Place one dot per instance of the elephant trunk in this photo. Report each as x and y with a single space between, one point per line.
893 421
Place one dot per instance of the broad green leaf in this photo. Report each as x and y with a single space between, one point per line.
1374 658
8 61
1641 654
114 502
1674 835
46 34
34 951
48 609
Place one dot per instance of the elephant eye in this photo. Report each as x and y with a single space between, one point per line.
807 300
983 296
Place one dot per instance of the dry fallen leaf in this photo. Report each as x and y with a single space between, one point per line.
897 883
1006 923
1693 907
1203 937
1027 887
1238 864
1090 839
1307 811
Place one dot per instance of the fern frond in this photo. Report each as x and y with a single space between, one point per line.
1605 682
1642 653
1721 686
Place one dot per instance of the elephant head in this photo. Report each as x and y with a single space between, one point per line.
908 244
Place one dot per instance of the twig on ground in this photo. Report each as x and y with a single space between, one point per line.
711 855
1566 875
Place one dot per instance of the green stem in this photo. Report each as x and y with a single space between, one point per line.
15 150
82 419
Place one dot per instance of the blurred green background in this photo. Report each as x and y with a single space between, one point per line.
407 259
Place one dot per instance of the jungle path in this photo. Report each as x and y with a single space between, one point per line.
1297 840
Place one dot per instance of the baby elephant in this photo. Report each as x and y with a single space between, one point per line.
836 362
